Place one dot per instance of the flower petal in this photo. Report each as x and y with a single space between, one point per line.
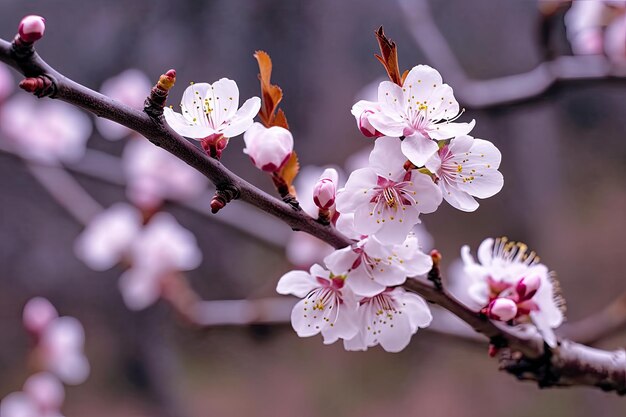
418 148
298 283
243 119
223 98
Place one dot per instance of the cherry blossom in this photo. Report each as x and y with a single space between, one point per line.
327 306
108 237
154 175
385 198
594 27
209 109
131 87
467 168
38 314
508 270
42 396
46 131
325 189
422 111
371 266
389 319
268 148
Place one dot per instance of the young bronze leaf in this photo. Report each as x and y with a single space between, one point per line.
289 172
388 56
271 95
280 119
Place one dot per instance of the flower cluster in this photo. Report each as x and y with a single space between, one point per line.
153 251
59 358
421 156
510 285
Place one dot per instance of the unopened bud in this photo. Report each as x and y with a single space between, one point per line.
527 287
366 127
31 28
214 145
502 309
38 313
268 148
326 189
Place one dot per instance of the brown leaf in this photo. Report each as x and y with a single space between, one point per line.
388 56
271 94
290 170
280 119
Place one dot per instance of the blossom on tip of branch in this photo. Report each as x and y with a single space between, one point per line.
422 111
268 148
32 28
208 109
327 306
362 111
389 319
467 168
385 198
371 266
325 189
508 271
42 396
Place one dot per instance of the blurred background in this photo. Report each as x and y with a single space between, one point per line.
563 161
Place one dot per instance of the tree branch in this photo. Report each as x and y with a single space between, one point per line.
568 364
510 89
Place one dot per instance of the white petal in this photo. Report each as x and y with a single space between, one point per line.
415 308
358 190
418 149
485 252
140 287
427 195
223 98
341 260
18 404
184 127
192 103
305 321
387 158
388 122
344 327
458 199
449 130
362 283
243 119
421 82
298 283
390 95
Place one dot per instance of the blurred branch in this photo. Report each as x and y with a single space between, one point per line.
566 365
66 191
605 323
503 90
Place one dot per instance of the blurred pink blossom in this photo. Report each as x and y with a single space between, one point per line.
154 175
38 314
131 87
7 83
47 131
61 350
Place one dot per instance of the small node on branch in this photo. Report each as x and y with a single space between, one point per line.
223 195
284 190
214 145
158 95
41 86
434 275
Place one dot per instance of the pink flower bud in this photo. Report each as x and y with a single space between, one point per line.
527 287
366 127
38 313
268 148
326 189
502 309
31 28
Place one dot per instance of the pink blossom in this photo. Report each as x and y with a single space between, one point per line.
325 189
268 148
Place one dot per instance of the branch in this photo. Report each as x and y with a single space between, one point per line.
503 90
568 364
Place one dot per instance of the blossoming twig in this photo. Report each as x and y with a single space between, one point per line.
567 364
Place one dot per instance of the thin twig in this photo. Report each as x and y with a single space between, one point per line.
566 365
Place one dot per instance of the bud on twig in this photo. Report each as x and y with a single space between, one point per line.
223 196
158 95
32 28
434 275
41 86
503 309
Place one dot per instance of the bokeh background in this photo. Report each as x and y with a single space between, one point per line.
564 158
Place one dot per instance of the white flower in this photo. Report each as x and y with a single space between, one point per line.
467 168
212 108
422 110
46 131
387 200
268 148
154 175
371 266
108 237
389 319
61 349
507 270
327 306
131 88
